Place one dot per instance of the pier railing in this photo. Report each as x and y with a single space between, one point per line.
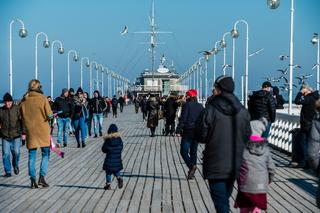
280 137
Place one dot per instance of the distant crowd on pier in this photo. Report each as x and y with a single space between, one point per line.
235 138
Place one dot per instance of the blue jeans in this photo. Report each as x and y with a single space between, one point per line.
63 129
80 126
221 191
265 134
109 176
189 148
97 120
44 161
13 147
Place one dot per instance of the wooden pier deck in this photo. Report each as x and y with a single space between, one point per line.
154 179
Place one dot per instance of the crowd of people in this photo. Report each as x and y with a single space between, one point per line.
31 121
235 138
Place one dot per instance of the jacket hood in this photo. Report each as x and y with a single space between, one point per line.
260 94
315 95
112 135
227 103
257 147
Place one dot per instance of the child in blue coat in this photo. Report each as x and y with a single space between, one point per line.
113 163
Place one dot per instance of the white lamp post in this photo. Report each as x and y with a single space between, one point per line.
90 80
60 51
223 45
215 52
235 34
75 58
274 4
97 76
22 33
81 69
316 41
46 44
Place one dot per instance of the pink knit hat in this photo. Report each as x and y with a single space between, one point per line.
257 138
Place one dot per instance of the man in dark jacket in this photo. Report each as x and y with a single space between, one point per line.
170 111
153 107
307 98
224 127
114 104
121 103
187 123
63 105
10 132
263 104
98 107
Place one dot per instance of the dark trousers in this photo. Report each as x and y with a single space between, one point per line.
114 112
188 151
144 115
121 107
304 146
170 125
89 123
221 191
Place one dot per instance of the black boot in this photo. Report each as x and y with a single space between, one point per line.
100 133
95 135
42 182
120 182
34 184
107 186
16 170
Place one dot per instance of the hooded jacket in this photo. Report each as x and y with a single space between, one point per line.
257 168
64 104
112 147
224 127
97 104
262 104
308 110
314 145
190 113
10 122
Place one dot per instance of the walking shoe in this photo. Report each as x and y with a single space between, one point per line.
34 184
42 182
95 135
90 134
7 175
78 146
83 145
64 145
16 170
191 172
107 186
100 134
58 145
120 182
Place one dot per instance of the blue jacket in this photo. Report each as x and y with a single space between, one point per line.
113 148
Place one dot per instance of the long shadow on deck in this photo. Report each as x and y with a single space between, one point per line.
80 187
151 176
306 185
14 186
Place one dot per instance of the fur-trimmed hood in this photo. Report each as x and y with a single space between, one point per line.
112 135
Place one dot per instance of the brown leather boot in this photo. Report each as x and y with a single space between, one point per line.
191 172
42 182
34 184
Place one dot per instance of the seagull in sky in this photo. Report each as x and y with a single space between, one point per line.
303 78
125 30
315 66
284 72
283 57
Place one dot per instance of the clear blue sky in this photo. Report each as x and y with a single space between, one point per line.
92 28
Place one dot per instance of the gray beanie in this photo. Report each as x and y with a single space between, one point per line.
258 126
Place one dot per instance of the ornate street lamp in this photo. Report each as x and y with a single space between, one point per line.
81 69
60 51
46 44
75 58
22 33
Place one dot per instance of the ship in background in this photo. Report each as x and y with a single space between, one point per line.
163 80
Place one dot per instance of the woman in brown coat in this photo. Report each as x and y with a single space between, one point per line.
36 113
153 107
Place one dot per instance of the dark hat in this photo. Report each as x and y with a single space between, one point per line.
7 97
79 90
64 90
266 84
225 83
71 90
112 128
